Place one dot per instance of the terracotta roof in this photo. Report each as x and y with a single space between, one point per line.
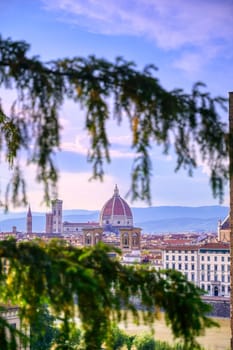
115 206
181 247
216 245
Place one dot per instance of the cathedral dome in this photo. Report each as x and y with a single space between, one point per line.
116 212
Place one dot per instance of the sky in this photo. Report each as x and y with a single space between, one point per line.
188 41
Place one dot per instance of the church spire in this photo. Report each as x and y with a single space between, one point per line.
29 221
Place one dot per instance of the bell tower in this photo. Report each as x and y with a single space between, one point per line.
29 221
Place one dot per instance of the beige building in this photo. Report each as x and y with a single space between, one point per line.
76 228
206 265
11 314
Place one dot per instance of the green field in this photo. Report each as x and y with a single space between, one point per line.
213 339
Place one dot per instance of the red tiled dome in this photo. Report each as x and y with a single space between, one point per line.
116 211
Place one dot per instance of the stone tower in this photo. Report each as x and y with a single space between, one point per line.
29 221
57 216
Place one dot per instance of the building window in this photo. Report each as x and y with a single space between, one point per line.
215 258
180 267
208 258
167 257
97 238
203 286
179 257
135 240
223 258
208 267
173 257
186 266
193 277
208 278
228 268
202 266
167 266
215 278
125 240
173 266
202 258
186 258
203 277
208 287
88 239
193 267
192 258
223 278
223 268
215 267
223 289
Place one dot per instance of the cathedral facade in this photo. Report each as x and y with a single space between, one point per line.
115 218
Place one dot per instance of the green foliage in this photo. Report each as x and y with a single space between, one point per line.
117 338
42 330
129 341
71 341
145 342
87 284
191 122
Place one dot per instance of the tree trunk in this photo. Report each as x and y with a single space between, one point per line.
231 202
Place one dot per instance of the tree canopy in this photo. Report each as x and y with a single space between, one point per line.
87 285
191 123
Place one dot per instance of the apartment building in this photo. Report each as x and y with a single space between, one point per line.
207 265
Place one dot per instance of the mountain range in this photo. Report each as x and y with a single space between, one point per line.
161 219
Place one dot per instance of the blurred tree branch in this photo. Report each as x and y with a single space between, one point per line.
189 122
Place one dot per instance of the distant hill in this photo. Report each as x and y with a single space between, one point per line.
161 219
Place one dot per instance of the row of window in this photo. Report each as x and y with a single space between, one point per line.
180 257
186 266
55 222
181 251
216 258
71 229
118 222
215 267
54 212
223 288
186 258
216 278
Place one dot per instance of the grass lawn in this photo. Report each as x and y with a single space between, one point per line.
213 339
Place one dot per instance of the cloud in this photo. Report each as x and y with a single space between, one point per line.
81 145
77 191
171 24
